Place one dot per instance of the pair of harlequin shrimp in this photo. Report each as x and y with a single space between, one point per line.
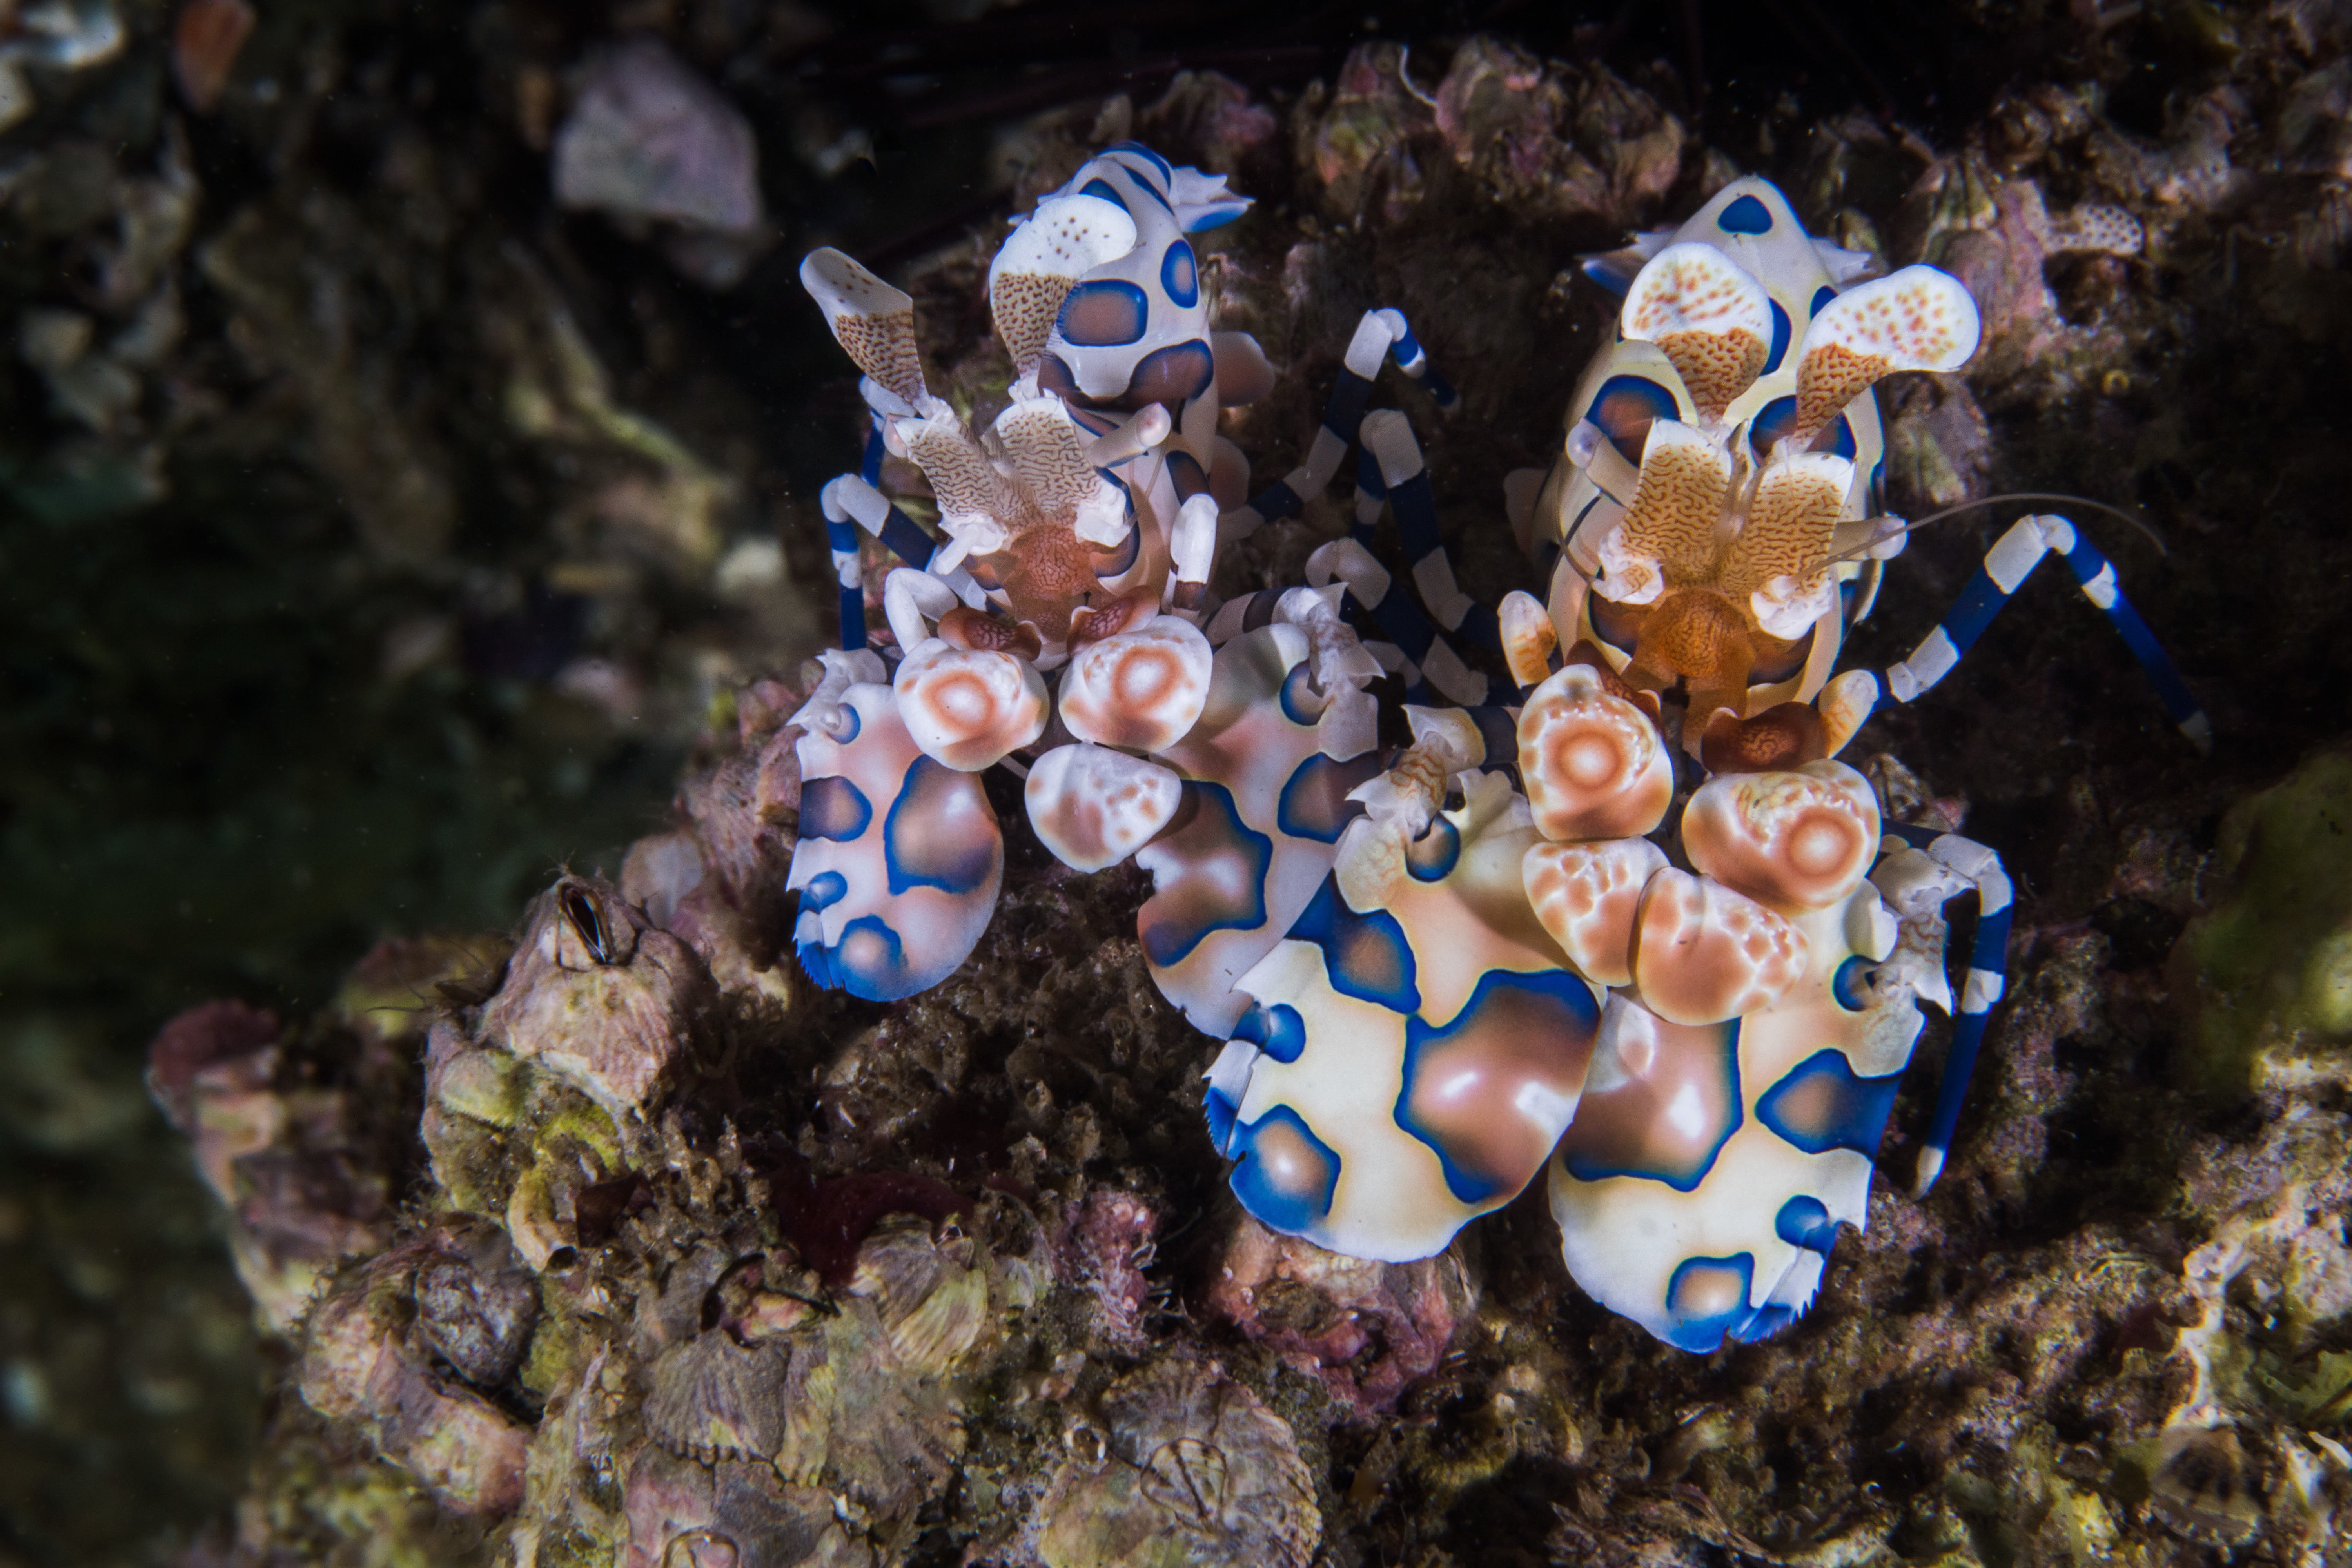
1432 985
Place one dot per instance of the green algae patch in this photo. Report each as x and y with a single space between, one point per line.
2268 972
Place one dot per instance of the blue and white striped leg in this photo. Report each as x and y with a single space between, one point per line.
2006 566
1389 441
1380 334
1977 867
849 499
1429 657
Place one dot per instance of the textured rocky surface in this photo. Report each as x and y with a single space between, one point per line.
613 1242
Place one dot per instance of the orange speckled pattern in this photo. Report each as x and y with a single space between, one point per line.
1024 305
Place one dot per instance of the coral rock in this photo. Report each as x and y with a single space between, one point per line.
1366 1329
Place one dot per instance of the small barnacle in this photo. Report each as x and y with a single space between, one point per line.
599 997
2206 1486
713 1397
1182 1464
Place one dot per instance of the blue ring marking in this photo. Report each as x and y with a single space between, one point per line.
1973 611
1177 374
1107 313
1804 1221
1781 335
1609 275
834 808
1314 803
908 542
1686 1327
1625 407
811 953
1778 417
824 890
1277 1030
1291 1212
1343 416
1275 501
1822 1105
1365 956
1822 297
869 463
1298 689
1433 857
1877 478
877 969
2085 561
1120 558
1578 1019
1181 275
1590 1165
1619 626
1221 1113
1746 215
1849 987
1103 190
1168 942
1262 606
1768 671
952 866
1147 154
1151 188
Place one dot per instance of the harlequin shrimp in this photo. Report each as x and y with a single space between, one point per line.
1438 973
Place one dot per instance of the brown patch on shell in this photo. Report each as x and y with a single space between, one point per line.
1588 652
1781 738
1091 624
966 628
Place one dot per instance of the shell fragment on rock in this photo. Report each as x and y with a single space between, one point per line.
1190 1468
1094 806
1593 763
1143 689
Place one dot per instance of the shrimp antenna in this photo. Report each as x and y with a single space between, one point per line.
2125 513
